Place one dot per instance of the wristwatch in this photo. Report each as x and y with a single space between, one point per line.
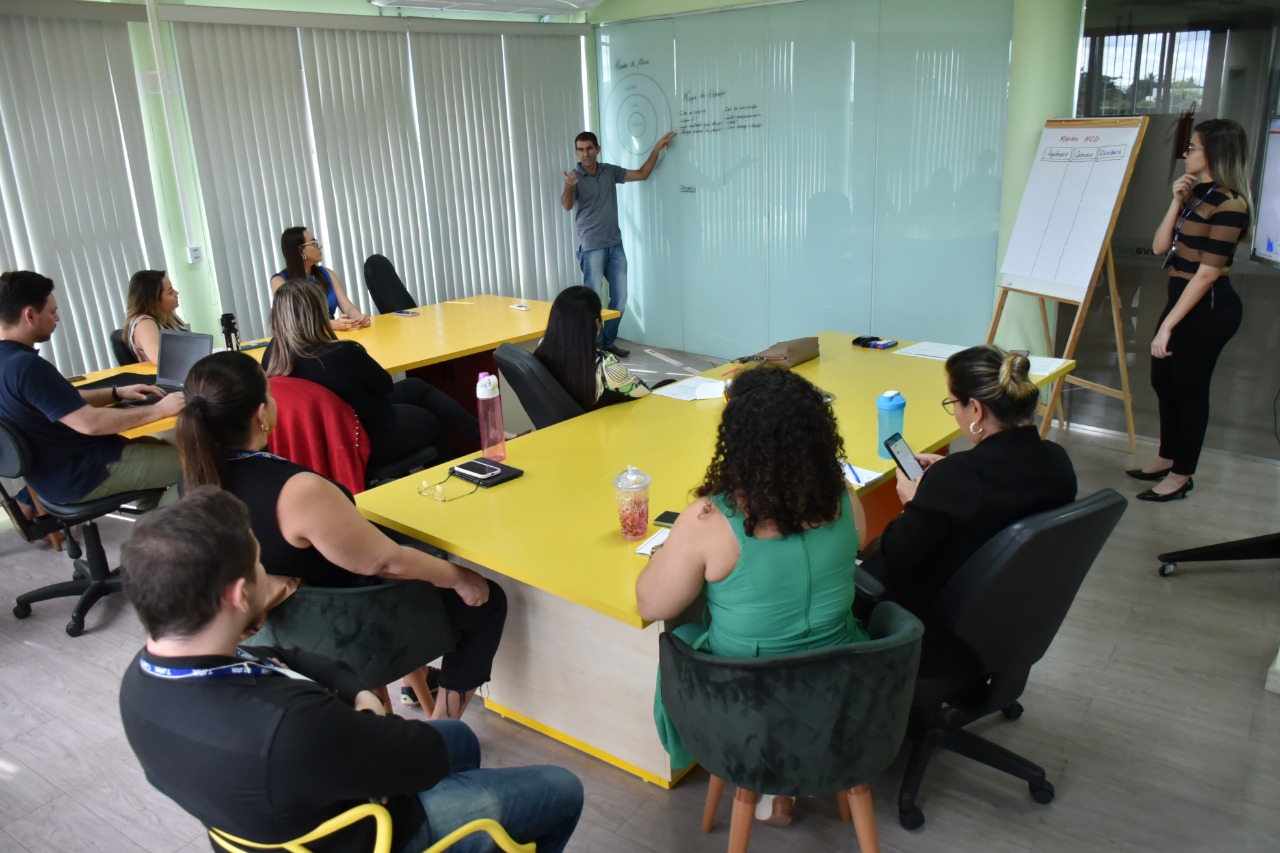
115 393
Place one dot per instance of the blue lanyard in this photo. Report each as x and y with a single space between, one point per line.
1187 211
251 454
249 666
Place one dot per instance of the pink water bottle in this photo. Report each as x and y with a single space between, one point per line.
493 437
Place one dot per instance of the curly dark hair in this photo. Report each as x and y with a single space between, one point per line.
777 453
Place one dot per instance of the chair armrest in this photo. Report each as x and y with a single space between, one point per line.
868 587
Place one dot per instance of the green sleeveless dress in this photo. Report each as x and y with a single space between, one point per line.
786 594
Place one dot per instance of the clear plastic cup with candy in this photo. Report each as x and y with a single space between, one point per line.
632 490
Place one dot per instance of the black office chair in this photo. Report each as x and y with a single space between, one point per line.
808 723
543 398
120 349
385 286
92 577
997 616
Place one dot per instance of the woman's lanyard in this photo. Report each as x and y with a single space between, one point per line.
1177 230
249 665
252 454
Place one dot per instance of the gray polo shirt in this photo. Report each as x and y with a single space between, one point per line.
596 206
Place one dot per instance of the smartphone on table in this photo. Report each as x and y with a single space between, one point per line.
476 469
901 453
667 519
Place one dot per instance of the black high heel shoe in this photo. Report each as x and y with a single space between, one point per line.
1153 495
1139 474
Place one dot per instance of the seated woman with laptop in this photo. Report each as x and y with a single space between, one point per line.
152 305
399 417
964 499
593 377
309 528
771 538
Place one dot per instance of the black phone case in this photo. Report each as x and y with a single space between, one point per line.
507 472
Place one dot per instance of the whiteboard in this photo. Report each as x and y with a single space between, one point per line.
1078 178
837 167
1266 234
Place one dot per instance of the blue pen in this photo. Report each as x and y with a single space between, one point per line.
854 471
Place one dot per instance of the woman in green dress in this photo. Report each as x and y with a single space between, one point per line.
771 537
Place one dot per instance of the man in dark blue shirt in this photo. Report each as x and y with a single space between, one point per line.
267 743
74 435
592 187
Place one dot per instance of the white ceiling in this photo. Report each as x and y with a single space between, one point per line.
511 7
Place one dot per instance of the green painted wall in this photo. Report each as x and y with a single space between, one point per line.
1042 85
626 10
197 289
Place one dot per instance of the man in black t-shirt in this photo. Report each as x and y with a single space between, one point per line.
266 743
74 436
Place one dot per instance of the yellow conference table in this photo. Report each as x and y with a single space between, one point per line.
439 333
577 662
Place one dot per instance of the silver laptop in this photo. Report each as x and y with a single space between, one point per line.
179 351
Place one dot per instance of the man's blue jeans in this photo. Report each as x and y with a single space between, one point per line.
540 804
608 263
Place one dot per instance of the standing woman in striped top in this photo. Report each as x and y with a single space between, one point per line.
1208 217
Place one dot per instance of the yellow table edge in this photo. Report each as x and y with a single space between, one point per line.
581 746
514 572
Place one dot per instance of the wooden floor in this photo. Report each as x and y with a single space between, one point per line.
1148 713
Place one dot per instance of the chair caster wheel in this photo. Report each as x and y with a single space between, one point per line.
75 628
1012 712
1167 569
22 611
1041 792
911 818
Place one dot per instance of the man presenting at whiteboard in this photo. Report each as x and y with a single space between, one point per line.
593 187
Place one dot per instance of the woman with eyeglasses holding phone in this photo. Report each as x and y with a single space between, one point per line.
964 499
302 255
1207 218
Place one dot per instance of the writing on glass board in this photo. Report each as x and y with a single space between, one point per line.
704 120
622 64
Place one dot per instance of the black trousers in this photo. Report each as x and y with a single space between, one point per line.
1181 381
423 413
479 628
480 631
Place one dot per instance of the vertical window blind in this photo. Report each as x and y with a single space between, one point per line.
247 105
75 187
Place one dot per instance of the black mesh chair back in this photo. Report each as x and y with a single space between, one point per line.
543 398
385 286
123 355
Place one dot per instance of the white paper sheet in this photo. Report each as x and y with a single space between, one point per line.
647 546
857 476
925 349
1043 366
693 388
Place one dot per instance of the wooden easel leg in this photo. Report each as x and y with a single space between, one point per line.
1122 361
715 787
1060 413
995 318
864 819
744 814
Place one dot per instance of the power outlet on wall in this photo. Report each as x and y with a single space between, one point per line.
195 255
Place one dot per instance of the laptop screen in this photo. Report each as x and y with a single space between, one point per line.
178 352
